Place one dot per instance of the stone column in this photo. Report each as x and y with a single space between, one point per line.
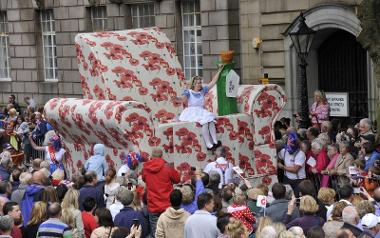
369 15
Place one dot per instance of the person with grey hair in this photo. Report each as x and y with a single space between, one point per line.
365 127
325 135
5 164
45 165
351 218
221 166
25 180
319 154
344 161
117 205
213 184
6 225
289 192
128 216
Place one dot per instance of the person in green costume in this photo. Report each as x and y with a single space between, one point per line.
226 105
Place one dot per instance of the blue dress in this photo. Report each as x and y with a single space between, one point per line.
195 112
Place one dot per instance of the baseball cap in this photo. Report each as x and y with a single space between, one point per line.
370 220
7 146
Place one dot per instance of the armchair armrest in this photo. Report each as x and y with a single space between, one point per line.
116 124
263 103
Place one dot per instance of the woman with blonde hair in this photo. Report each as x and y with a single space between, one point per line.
320 110
38 215
236 229
308 210
296 231
70 207
263 222
326 196
195 111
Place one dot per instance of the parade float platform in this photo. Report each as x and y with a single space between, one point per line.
131 81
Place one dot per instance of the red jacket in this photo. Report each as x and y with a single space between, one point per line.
159 178
322 161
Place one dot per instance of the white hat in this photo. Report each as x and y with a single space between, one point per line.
370 220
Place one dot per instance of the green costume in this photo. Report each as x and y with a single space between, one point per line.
226 105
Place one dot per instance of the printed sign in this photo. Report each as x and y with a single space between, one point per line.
338 104
261 201
232 84
311 162
353 170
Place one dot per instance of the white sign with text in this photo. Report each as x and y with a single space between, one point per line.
338 104
232 84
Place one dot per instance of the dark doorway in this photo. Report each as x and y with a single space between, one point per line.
342 67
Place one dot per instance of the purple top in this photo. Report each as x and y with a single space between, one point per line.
305 222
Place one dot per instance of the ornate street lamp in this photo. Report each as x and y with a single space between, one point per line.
302 39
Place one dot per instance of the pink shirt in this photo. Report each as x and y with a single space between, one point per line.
325 178
322 111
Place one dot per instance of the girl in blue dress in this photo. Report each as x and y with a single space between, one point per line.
195 111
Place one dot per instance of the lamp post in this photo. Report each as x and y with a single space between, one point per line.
302 39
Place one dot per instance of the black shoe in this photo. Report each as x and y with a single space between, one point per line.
215 146
210 149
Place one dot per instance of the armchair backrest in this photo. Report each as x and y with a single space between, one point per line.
132 65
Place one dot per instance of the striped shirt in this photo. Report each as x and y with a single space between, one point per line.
54 228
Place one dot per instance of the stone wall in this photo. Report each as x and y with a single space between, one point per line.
220 30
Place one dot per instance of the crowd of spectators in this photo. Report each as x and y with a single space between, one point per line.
327 187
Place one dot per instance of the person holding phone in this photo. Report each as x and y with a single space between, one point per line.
128 217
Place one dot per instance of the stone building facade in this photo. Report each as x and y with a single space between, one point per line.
199 29
272 20
34 68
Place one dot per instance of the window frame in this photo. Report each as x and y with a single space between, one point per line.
51 34
139 17
4 34
195 27
102 18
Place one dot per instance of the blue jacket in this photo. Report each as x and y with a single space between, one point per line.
4 174
91 191
193 206
369 163
97 162
125 219
32 194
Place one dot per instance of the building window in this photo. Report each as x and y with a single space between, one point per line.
4 56
49 45
99 18
192 38
142 15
